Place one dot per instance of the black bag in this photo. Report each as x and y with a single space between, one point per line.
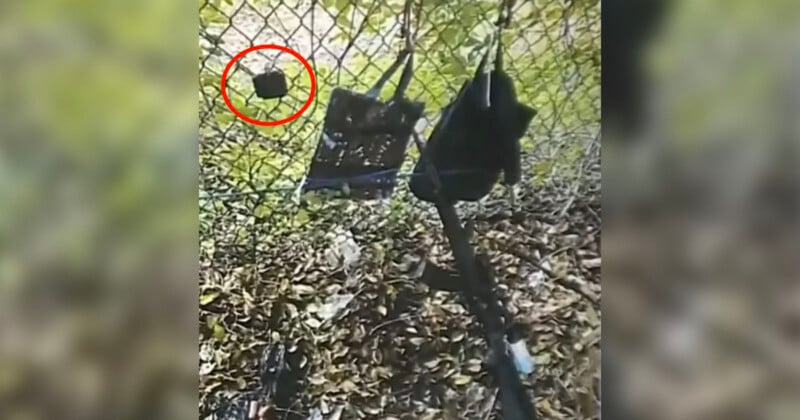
478 141
363 141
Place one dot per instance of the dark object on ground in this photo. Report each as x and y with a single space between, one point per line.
439 278
272 367
289 381
237 408
282 378
477 142
628 26
271 85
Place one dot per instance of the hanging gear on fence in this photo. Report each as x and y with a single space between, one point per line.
481 137
270 84
478 102
364 140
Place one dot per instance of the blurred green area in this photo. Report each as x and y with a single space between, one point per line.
743 67
98 209
700 238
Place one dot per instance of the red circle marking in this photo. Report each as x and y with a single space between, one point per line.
268 47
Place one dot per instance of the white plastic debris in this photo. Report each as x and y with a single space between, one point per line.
533 278
351 253
344 251
206 352
298 192
334 306
253 412
522 359
316 414
328 141
206 368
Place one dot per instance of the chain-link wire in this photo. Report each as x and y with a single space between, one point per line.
257 170
251 215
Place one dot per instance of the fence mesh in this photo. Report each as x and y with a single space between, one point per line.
273 261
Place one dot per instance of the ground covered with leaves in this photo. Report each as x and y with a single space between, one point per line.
366 340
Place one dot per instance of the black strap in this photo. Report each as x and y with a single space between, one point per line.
405 77
406 54
498 55
484 61
378 87
503 22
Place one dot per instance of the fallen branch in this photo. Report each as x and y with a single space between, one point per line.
567 281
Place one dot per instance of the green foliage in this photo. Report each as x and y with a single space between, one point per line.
211 12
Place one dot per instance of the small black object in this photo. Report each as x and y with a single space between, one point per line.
477 142
271 85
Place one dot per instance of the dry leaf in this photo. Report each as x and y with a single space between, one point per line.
592 263
303 289
313 323
209 297
459 380
218 332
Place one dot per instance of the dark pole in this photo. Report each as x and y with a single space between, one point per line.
479 291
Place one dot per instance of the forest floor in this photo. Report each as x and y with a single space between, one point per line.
394 348
371 342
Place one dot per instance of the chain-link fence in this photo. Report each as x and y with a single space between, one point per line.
268 263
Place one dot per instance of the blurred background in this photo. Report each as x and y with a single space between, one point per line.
700 242
98 213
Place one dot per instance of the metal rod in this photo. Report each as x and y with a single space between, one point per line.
480 297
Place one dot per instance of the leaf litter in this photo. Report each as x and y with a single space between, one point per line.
376 343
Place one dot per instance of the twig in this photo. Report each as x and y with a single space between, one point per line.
391 321
579 288
556 252
562 280
490 408
287 411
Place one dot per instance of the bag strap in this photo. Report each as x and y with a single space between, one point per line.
375 91
405 78
485 59
503 22
407 55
